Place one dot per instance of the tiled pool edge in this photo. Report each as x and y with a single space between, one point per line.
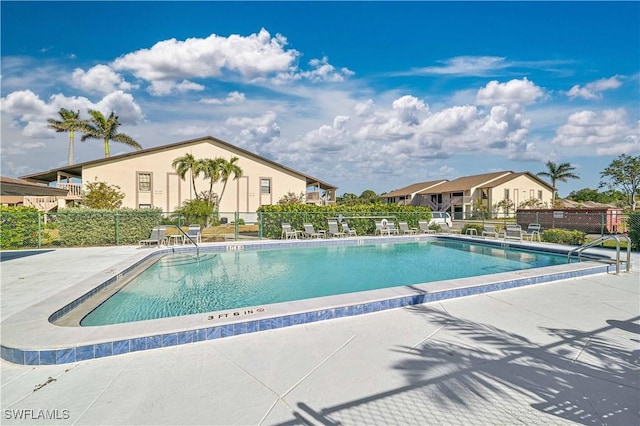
118 347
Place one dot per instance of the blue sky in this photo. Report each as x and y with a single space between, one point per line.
363 95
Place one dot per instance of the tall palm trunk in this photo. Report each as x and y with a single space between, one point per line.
70 155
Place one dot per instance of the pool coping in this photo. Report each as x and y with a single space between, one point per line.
30 338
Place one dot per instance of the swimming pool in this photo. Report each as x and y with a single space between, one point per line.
178 284
49 332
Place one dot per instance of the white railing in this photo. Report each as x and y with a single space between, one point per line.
316 197
313 196
42 203
74 190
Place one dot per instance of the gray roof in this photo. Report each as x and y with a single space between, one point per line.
76 169
20 187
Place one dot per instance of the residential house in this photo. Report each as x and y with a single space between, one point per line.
147 178
407 195
18 192
462 197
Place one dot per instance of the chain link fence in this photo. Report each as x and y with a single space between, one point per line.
31 229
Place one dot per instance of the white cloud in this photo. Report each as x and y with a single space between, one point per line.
100 79
255 132
364 108
252 56
124 106
25 106
467 65
481 66
322 70
257 58
232 98
608 130
522 92
593 90
165 87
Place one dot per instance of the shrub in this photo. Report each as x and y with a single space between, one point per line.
196 211
85 227
360 218
564 236
477 226
634 230
19 227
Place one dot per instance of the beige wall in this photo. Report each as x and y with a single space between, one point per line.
169 191
520 189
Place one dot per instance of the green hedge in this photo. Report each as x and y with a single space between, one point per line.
89 227
564 236
634 230
360 218
18 227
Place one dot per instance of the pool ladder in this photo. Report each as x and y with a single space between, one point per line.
578 251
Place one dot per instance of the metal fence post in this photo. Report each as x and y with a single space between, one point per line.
117 217
259 225
39 230
236 227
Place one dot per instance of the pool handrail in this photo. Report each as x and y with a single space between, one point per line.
600 240
185 235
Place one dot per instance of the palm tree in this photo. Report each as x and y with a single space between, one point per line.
211 168
228 168
188 163
558 172
70 123
106 129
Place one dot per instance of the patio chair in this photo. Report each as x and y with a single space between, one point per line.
288 232
310 232
194 233
156 237
391 228
512 232
333 229
424 228
380 228
404 227
490 231
350 232
533 231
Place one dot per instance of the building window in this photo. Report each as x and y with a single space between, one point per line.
265 186
540 195
531 192
144 182
506 194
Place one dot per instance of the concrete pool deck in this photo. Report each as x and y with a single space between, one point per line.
562 352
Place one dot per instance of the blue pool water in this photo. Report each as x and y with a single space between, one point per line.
178 285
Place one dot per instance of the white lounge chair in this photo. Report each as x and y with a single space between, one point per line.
156 237
533 231
391 228
490 231
424 228
288 232
310 232
195 233
512 232
333 229
381 228
404 228
350 232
